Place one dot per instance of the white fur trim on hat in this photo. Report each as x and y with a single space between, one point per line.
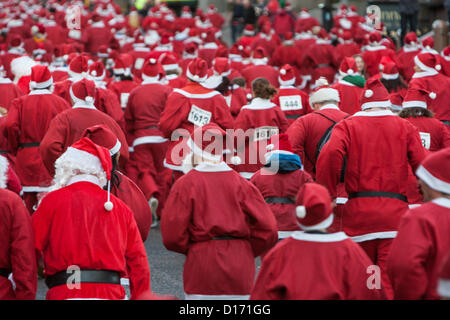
116 148
433 182
322 225
376 104
283 71
324 94
423 66
414 104
198 151
196 77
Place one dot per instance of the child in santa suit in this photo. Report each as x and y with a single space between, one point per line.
423 240
279 180
314 264
218 220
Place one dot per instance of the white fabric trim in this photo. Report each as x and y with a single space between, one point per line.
444 288
259 104
424 74
83 105
5 80
215 297
378 113
285 234
148 139
407 48
376 104
443 202
414 104
433 182
198 151
346 83
341 200
212 167
190 76
413 206
98 24
422 65
171 76
330 106
39 92
375 235
4 164
79 101
168 67
34 189
247 175
116 148
375 48
259 62
172 166
84 178
286 83
210 45
322 225
197 95
149 80
389 76
315 237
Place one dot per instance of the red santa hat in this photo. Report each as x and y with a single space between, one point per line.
197 70
221 67
435 171
152 70
83 92
38 28
428 43
410 38
212 8
249 30
396 101
444 278
288 39
287 76
97 71
323 93
103 51
389 71
169 61
313 209
209 36
348 67
122 66
93 159
15 41
322 34
375 95
418 98
259 56
190 48
41 77
166 39
375 37
78 66
427 62
446 53
103 136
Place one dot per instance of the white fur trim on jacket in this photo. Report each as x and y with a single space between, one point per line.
375 235
313 237
4 165
197 95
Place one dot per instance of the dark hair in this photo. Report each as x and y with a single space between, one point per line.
122 77
415 112
239 81
115 178
170 72
224 87
263 89
393 85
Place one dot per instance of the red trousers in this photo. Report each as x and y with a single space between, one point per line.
378 250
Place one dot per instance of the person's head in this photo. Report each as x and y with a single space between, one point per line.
375 96
426 62
262 88
359 63
434 175
83 93
323 95
415 104
238 81
41 78
197 70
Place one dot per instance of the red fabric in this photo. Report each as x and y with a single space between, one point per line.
287 55
283 22
122 90
6 62
13 182
16 248
95 37
192 218
8 92
371 166
313 270
438 84
59 75
238 100
178 82
252 72
424 231
372 59
303 107
321 54
344 50
62 89
284 185
208 55
350 96
269 44
305 133
60 226
405 66
68 127
106 101
28 120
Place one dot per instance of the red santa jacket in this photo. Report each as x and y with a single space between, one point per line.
404 58
122 90
68 126
305 133
111 242
287 55
176 82
321 60
26 124
281 185
438 83
106 101
252 72
349 95
208 52
283 21
424 231
346 50
95 36
193 224
372 57
17 255
315 266
256 123
372 166
186 108
268 42
8 92
293 102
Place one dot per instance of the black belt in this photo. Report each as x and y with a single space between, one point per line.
322 65
225 238
372 194
279 200
4 151
446 122
4 272
29 144
151 127
86 276
293 116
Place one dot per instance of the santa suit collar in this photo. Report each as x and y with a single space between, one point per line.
16 50
323 41
212 167
171 76
5 80
409 48
443 202
377 113
140 49
424 74
84 178
330 106
287 87
375 48
99 24
149 80
210 45
319 237
39 92
304 36
83 105
259 104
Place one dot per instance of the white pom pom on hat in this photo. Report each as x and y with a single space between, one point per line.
108 206
368 93
432 95
152 61
300 212
89 99
438 67
283 71
350 71
235 160
94 73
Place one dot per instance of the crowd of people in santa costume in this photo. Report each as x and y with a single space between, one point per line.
327 154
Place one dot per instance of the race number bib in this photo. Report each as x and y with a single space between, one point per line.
264 133
199 117
288 103
124 100
139 63
426 139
